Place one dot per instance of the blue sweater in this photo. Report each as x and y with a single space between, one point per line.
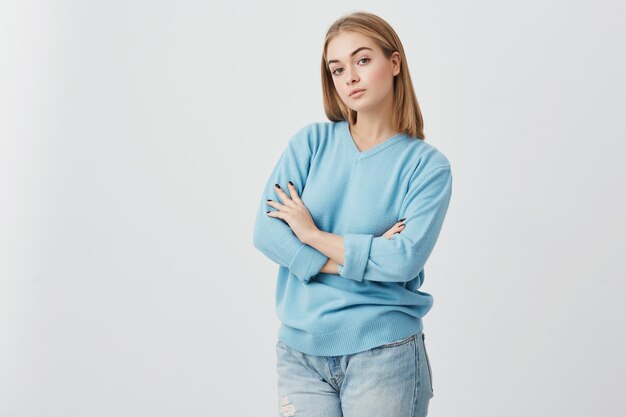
358 195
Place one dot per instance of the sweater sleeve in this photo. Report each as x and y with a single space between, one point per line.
273 236
402 257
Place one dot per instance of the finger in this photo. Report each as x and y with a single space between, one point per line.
278 215
392 232
283 195
276 205
294 193
397 229
275 214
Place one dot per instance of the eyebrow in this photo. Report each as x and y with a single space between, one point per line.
352 54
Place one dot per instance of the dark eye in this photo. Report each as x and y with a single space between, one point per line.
335 71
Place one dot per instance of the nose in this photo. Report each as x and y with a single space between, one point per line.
351 75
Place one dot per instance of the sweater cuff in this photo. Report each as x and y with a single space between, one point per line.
356 254
307 262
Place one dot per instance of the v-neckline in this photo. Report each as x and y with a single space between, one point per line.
374 149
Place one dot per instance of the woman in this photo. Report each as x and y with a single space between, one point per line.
358 203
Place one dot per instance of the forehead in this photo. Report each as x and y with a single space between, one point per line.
345 43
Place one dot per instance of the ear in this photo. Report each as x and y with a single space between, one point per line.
395 62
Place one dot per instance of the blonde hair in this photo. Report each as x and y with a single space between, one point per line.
407 116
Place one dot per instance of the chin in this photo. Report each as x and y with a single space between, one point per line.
362 108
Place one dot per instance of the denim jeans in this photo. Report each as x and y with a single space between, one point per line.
391 380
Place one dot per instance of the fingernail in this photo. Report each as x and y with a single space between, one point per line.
402 219
290 182
276 185
269 199
268 211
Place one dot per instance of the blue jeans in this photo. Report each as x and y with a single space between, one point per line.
391 380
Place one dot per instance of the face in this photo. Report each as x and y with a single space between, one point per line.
356 62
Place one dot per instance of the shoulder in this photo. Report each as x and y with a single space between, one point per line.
311 135
318 130
426 159
426 153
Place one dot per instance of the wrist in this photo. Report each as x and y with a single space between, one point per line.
312 237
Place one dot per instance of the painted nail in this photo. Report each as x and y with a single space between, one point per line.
269 199
276 185
402 219
290 182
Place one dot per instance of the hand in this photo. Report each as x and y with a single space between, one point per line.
294 213
330 267
396 228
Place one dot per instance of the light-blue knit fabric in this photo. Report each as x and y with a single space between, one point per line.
359 195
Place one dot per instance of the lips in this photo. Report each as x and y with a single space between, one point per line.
356 91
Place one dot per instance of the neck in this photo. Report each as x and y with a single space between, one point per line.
374 126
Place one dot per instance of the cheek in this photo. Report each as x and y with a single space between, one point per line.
379 74
337 84
381 79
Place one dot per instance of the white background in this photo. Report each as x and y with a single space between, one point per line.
136 138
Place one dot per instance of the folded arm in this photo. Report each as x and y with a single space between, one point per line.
402 257
273 236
